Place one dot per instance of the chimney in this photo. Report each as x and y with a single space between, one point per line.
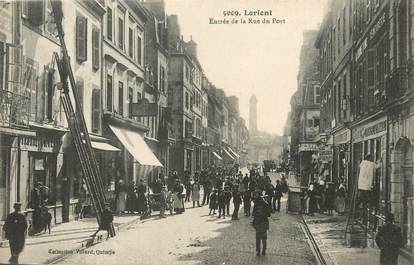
192 47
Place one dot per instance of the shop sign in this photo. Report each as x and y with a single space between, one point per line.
40 144
365 132
325 155
308 147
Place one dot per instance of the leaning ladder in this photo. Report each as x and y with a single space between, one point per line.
355 231
76 122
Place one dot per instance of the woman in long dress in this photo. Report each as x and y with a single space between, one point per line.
122 196
178 197
195 193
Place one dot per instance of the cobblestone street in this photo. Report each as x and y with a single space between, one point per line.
197 238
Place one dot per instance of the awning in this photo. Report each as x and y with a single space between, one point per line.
103 146
216 155
228 153
136 146
234 153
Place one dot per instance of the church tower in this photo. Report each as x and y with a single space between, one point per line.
253 115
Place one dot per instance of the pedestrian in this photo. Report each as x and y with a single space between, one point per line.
269 191
247 202
141 199
187 191
178 190
313 203
227 192
389 240
157 187
330 198
340 199
106 222
237 199
206 191
213 202
15 231
221 201
277 196
283 182
163 201
121 191
261 213
131 198
195 193
36 204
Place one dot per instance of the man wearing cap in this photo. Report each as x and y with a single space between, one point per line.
261 213
15 230
389 240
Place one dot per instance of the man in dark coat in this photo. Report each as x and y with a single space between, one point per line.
141 199
261 213
228 195
247 202
207 190
389 240
221 201
15 230
277 196
237 199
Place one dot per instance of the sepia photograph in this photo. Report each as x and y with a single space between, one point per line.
207 132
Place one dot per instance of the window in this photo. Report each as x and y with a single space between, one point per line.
317 97
139 96
310 123
412 28
33 12
96 110
109 23
49 78
130 101
343 26
130 43
339 35
50 24
187 72
187 103
121 33
162 79
139 50
95 49
109 92
121 98
81 38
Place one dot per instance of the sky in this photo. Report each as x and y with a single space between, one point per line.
246 59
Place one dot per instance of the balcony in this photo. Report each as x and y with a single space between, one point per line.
14 109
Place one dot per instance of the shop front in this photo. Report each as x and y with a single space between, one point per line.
341 157
370 137
307 158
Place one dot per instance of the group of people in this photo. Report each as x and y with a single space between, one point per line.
321 197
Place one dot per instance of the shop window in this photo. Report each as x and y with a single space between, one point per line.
96 109
187 100
109 23
95 49
81 38
109 93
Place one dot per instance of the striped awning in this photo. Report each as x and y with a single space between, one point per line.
217 156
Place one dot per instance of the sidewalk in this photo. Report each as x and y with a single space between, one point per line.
329 232
71 236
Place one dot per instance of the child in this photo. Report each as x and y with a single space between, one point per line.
246 203
222 201
213 202
47 218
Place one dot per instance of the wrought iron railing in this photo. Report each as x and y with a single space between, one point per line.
14 109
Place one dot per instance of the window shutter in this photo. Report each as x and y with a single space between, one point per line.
81 38
35 10
95 49
79 92
96 110
49 74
